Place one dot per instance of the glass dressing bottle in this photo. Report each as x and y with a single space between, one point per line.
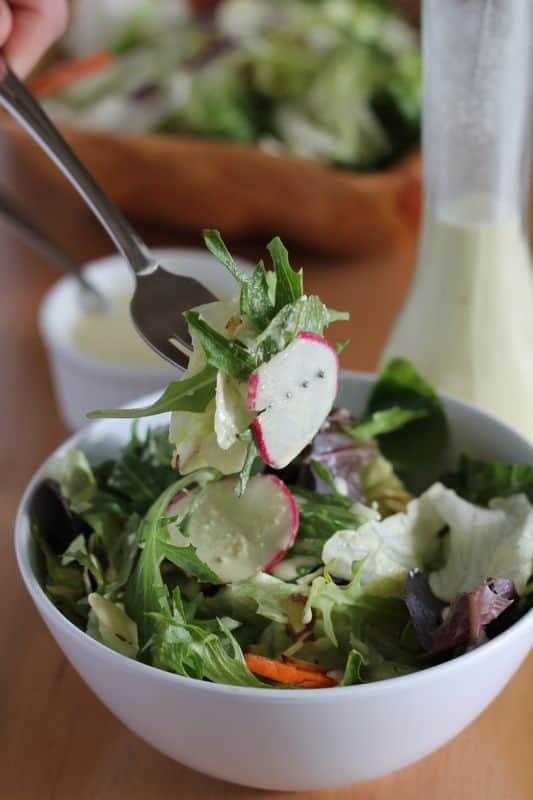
467 322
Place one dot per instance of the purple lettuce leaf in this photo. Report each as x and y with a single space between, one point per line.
468 614
342 455
59 525
424 608
441 627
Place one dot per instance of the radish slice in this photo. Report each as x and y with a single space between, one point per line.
237 537
294 393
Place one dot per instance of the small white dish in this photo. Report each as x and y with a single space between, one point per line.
84 382
292 739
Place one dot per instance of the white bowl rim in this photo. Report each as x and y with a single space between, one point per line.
104 366
401 682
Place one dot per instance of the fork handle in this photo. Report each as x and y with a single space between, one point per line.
28 230
18 101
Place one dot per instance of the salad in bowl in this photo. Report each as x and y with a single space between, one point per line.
272 538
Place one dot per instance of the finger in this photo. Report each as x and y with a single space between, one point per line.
36 25
6 22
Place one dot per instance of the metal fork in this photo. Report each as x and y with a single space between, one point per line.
31 233
160 297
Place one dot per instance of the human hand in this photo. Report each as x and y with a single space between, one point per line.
28 28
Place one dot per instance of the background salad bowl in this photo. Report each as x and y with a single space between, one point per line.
292 739
324 95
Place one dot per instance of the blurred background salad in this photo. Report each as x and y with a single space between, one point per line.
335 81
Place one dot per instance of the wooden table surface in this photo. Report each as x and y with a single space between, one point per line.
56 739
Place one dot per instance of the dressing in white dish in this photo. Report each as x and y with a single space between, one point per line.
110 336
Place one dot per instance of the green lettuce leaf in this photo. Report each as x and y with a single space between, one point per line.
352 673
251 455
63 584
262 595
289 284
340 346
320 470
76 553
480 481
387 421
327 597
422 441
218 104
303 314
320 650
146 593
185 558
256 301
122 555
387 669
192 651
189 394
215 244
321 516
228 356
143 470
77 482
272 641
125 488
381 486
199 650
378 630
97 545
348 618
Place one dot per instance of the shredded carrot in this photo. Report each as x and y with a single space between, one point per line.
307 666
60 76
287 673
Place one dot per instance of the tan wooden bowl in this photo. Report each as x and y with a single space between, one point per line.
189 184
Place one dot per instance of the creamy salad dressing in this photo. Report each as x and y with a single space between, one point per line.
467 324
111 336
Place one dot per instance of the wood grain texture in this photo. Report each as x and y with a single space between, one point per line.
57 742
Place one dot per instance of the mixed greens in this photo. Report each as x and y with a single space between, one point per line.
274 540
337 81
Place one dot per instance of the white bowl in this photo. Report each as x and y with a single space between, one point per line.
293 739
83 382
